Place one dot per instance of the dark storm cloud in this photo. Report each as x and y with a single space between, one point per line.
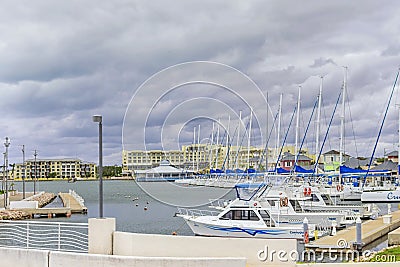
62 62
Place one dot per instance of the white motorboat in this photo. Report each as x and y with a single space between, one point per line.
388 196
311 199
244 221
259 216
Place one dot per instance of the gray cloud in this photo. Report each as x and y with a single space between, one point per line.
63 62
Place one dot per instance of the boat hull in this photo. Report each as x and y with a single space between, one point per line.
221 230
391 196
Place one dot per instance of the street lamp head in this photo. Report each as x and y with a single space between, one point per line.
97 118
7 142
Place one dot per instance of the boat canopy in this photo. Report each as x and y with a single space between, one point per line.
300 169
250 170
347 170
282 171
216 171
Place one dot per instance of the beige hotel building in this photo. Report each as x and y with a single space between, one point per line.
67 168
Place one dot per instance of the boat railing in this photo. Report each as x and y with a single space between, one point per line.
219 203
196 212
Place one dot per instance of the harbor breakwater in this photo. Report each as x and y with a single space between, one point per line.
13 215
42 198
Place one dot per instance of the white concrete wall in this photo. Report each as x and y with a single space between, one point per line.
10 257
146 245
24 204
359 264
63 259
100 235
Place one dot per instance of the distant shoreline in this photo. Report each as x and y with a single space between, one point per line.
66 180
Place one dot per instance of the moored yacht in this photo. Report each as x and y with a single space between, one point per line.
247 220
256 215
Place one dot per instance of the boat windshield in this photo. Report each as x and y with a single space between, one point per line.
248 191
246 215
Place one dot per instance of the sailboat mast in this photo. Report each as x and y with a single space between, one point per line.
194 145
237 140
341 148
266 137
228 140
216 151
318 122
278 130
248 141
398 151
198 148
212 145
296 146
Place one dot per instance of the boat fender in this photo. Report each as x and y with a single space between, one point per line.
309 191
305 191
284 202
339 188
306 237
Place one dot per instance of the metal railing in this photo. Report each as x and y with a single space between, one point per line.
218 203
196 213
78 198
59 236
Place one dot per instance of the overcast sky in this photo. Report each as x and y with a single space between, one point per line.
63 61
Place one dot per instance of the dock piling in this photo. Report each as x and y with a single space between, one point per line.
358 244
305 229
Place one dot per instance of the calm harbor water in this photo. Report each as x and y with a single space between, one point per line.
161 200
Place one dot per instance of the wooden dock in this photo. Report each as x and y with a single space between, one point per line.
371 231
70 201
49 212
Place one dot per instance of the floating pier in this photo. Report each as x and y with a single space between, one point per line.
49 212
371 230
73 201
33 205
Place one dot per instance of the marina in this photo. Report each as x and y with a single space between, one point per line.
137 212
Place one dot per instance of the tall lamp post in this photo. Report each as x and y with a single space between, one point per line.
34 178
6 144
24 172
99 119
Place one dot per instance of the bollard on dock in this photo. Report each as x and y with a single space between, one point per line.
358 244
334 224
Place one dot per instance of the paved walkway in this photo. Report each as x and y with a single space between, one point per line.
371 230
